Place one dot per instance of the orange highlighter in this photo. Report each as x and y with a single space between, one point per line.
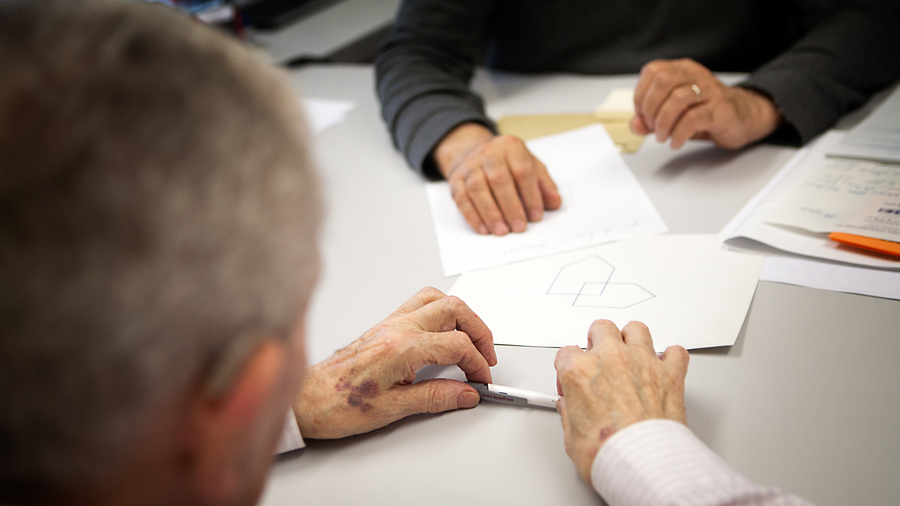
859 241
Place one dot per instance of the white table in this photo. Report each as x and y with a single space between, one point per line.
805 400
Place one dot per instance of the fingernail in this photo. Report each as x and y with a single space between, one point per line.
467 400
518 226
483 230
535 215
501 229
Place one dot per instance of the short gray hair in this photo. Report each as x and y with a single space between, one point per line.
157 210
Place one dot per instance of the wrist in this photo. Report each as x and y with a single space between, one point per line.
764 111
305 418
457 145
313 410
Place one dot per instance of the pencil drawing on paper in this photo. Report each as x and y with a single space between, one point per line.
589 281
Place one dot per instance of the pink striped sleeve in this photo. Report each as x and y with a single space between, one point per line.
661 462
290 436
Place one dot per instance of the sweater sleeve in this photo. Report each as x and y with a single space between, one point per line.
845 57
423 71
663 462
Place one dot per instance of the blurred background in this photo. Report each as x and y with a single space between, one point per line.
297 32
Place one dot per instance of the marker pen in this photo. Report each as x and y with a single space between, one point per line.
513 396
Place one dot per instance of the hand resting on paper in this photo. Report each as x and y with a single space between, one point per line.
618 381
497 184
665 103
368 384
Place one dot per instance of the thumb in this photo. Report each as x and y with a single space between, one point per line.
639 126
561 408
439 395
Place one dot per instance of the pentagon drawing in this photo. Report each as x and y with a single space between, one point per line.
572 277
589 281
612 295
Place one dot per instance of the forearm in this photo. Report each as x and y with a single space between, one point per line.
832 70
662 462
423 72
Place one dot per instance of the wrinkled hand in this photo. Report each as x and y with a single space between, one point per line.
618 381
368 384
497 184
666 104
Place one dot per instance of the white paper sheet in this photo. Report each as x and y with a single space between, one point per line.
844 195
324 113
751 222
832 277
601 202
688 289
877 137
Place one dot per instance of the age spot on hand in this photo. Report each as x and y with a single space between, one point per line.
358 393
605 433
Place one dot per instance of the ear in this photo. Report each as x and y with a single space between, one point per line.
234 433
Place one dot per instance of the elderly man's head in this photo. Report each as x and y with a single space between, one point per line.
158 224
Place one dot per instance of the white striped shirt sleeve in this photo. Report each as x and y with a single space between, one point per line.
661 462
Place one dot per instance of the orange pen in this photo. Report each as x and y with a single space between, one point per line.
868 243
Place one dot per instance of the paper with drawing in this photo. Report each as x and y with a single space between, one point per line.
602 202
686 288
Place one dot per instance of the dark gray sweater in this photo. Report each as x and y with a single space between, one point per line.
816 59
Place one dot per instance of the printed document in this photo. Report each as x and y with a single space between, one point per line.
852 196
763 220
877 137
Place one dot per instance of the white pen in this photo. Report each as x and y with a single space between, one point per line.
513 396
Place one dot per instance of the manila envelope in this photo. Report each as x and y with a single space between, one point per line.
531 126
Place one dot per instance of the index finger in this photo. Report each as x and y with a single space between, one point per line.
451 348
423 297
648 73
525 169
451 313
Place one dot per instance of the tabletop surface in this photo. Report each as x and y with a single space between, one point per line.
806 399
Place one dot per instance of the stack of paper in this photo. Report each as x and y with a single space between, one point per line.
815 195
845 195
877 137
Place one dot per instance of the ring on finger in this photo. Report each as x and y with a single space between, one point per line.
697 92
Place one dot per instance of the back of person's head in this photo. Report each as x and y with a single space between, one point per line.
158 214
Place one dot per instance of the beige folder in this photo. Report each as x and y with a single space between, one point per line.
531 126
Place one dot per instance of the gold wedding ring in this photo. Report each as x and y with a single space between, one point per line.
697 92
